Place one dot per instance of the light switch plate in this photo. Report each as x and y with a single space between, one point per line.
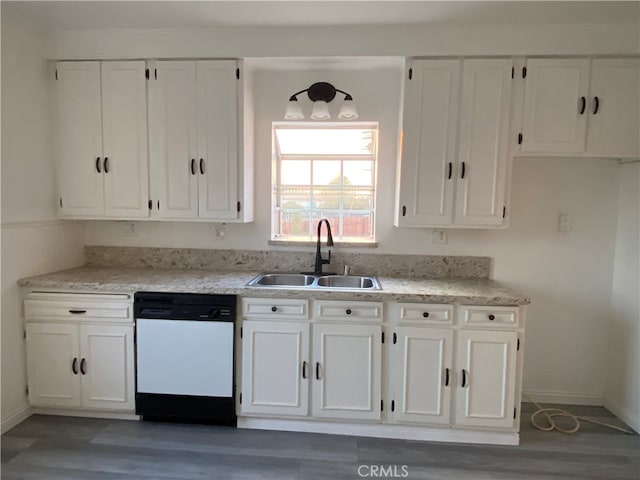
564 222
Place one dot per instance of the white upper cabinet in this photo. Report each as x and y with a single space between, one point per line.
218 139
484 141
455 143
614 108
173 145
555 105
429 143
79 139
124 133
197 168
589 107
102 139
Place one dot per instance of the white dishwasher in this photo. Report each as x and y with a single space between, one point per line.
184 347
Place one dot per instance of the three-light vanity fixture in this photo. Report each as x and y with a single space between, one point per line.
321 93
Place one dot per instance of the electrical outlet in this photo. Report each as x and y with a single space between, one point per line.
219 231
564 222
130 229
439 236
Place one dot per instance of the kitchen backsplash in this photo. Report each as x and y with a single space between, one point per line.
268 260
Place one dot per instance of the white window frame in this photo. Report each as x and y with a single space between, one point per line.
276 176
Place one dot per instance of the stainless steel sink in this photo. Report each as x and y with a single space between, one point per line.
324 282
282 280
351 281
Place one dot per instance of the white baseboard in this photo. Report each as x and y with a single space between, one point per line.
623 414
85 413
404 432
15 419
564 398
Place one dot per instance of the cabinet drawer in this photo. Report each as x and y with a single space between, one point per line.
279 308
66 307
339 310
493 317
425 313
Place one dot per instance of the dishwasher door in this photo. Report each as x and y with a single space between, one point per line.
184 357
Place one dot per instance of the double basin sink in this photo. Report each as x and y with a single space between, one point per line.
320 282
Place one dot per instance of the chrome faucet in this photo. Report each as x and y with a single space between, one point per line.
319 260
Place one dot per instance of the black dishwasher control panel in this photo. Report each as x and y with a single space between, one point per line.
185 306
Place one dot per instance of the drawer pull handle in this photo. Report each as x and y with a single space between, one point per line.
74 366
77 312
446 377
304 369
348 311
274 309
425 314
492 317
99 170
202 166
596 106
464 378
317 370
193 166
583 105
83 366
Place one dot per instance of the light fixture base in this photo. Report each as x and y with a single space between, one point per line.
322 91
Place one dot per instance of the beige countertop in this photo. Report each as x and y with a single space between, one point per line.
467 291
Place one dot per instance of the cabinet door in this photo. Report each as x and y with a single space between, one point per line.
484 140
106 367
614 122
428 143
423 363
52 360
486 364
346 370
124 127
79 138
217 139
555 110
275 367
174 167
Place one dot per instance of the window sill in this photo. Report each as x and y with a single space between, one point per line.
311 243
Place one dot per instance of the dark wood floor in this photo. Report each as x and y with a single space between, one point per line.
56 448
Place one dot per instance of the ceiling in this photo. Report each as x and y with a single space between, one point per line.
56 15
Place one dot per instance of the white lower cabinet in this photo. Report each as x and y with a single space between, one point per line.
423 365
275 367
458 376
335 374
305 362
347 371
486 363
79 351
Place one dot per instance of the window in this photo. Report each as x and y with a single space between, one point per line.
326 170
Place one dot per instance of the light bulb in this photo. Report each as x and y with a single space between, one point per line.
294 111
348 110
320 110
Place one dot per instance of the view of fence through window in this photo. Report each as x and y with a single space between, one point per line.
324 171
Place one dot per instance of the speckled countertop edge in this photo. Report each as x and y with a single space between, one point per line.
468 291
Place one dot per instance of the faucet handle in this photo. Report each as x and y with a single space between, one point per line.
327 261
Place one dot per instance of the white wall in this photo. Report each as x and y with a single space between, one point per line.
622 394
33 241
402 40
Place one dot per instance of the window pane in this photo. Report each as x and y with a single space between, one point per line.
357 225
326 199
294 223
295 172
326 172
325 141
357 200
358 173
295 199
